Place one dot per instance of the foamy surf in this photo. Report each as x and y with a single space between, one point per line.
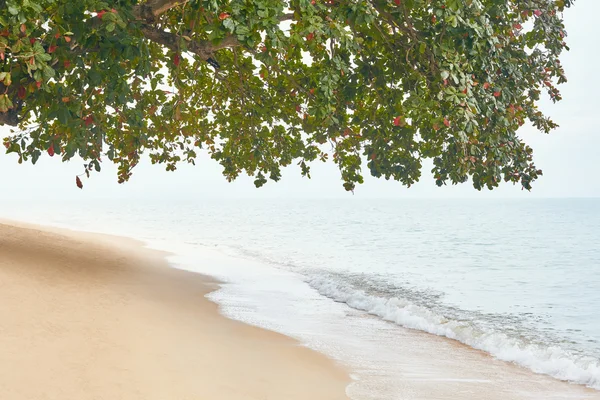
538 357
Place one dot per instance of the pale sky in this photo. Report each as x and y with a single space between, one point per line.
568 156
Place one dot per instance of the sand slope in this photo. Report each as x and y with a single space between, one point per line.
88 318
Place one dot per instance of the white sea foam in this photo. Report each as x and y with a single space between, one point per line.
540 358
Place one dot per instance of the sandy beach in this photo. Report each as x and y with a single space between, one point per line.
98 317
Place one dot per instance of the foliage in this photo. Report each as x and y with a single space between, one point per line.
261 84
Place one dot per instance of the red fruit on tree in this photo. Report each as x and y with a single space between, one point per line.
51 150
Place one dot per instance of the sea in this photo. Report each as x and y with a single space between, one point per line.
517 280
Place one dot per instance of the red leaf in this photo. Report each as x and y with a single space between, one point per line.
89 120
223 16
312 91
436 127
51 150
67 39
6 144
57 35
397 2
52 48
38 84
21 92
310 36
2 56
313 2
67 63
78 182
176 60
101 14
517 26
446 122
373 156
298 109
433 19
398 121
23 28
32 40
486 85
497 94
537 13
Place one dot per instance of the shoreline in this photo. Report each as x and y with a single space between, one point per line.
95 316
425 366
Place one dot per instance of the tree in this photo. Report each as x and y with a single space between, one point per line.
261 84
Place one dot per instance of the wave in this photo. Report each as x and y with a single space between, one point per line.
539 357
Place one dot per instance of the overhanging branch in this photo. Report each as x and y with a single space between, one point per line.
204 49
151 9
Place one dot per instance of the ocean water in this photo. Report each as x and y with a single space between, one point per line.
518 279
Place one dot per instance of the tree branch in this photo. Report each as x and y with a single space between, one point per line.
204 49
151 9
286 17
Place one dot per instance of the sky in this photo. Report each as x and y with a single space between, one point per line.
569 155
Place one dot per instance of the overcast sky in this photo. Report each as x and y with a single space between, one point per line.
568 156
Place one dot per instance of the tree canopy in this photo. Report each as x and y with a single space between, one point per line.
262 84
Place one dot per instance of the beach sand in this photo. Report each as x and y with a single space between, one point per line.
87 316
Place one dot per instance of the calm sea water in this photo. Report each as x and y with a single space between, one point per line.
517 279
